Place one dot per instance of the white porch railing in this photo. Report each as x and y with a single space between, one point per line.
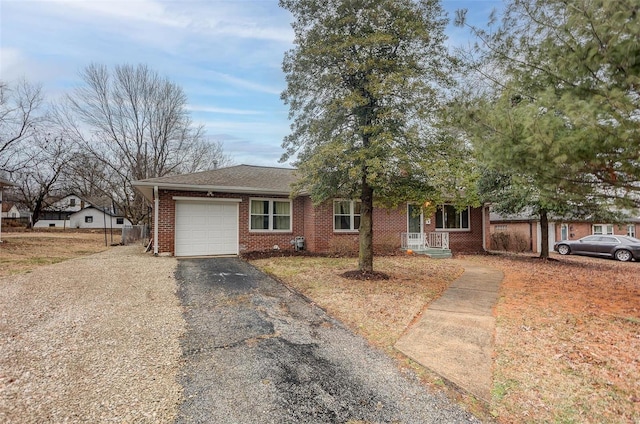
417 241
438 240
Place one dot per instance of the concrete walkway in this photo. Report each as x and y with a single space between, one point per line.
454 335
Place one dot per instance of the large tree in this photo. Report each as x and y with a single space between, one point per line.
555 104
46 159
136 125
20 117
363 87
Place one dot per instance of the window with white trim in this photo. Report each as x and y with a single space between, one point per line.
602 229
449 218
346 215
631 230
88 219
270 215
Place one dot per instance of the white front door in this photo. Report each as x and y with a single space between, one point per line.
415 219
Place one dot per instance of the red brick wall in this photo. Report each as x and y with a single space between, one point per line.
309 227
316 225
388 225
581 229
576 230
467 241
248 240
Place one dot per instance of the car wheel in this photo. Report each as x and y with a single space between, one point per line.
563 249
623 255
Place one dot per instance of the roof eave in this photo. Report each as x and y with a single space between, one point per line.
146 188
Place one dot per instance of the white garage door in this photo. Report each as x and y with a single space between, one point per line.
206 228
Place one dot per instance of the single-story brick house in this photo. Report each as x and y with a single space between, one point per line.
528 228
243 208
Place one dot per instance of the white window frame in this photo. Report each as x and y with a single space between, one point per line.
631 230
351 215
605 229
271 215
442 209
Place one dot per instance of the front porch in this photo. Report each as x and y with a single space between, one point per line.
434 245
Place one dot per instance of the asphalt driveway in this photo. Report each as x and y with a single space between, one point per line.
255 352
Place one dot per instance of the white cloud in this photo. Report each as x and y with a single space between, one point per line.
244 83
221 110
12 64
132 10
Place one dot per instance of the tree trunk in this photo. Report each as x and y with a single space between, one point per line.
37 208
365 261
544 236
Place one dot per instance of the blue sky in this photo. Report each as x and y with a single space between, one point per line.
226 55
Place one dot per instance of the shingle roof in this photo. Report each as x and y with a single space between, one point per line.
6 206
239 178
5 183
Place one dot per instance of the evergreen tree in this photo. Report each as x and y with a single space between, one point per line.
557 104
363 89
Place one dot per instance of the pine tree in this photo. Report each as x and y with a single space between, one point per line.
364 89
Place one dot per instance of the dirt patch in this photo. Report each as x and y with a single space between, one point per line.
365 275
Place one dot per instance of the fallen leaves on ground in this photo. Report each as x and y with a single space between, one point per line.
567 337
567 340
379 310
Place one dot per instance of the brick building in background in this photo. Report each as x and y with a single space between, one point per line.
525 231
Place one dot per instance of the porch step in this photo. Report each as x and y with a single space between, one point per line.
434 253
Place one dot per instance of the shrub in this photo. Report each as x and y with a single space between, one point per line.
512 242
343 246
388 245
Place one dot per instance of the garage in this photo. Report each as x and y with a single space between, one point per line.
206 227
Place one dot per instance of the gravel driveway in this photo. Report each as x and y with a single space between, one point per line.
92 339
257 353
103 338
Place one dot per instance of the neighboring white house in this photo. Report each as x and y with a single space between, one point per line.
57 214
72 211
10 210
69 203
3 183
96 218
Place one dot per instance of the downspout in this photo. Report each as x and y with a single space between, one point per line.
1 189
156 214
484 228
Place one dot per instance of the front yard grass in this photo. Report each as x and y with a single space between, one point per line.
567 345
24 251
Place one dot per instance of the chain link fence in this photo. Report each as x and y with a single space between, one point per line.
134 234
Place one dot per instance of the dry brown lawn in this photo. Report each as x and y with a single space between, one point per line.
567 338
24 251
379 310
